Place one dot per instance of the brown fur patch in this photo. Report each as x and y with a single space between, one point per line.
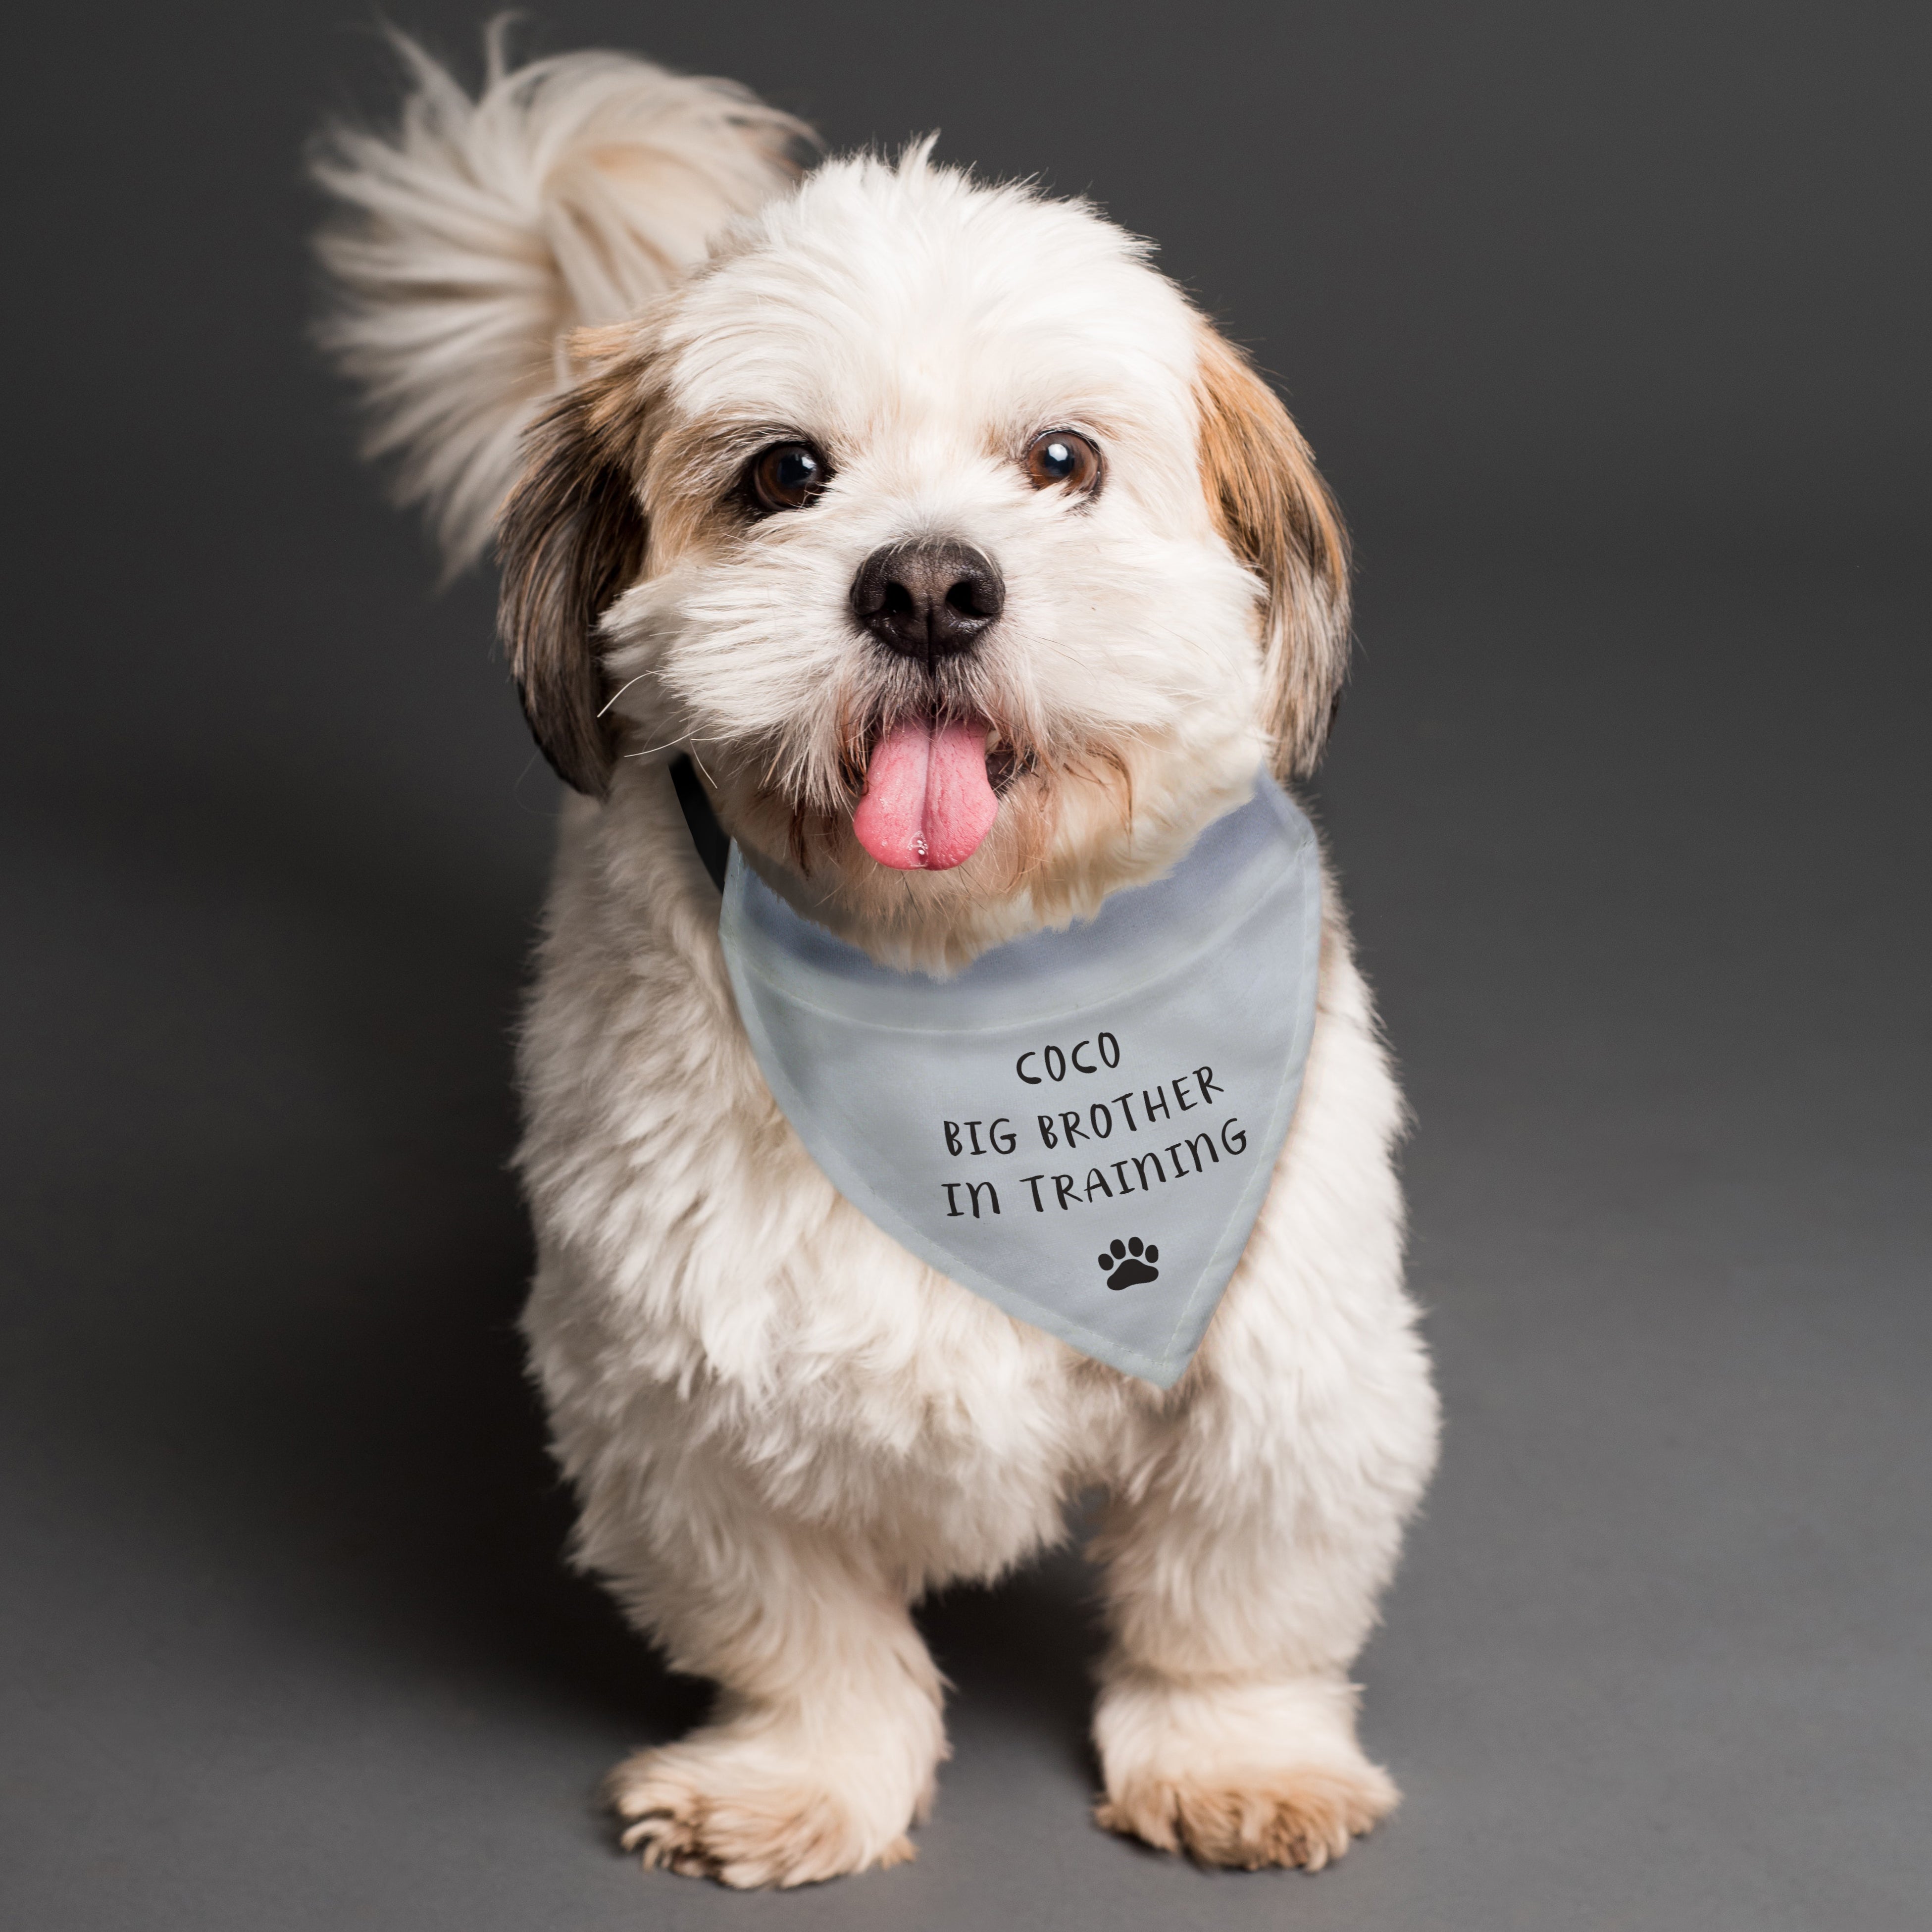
758 1833
1305 1815
571 538
1277 516
1028 805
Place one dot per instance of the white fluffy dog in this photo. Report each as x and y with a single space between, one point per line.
694 389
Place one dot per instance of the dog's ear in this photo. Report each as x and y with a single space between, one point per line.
1277 516
570 537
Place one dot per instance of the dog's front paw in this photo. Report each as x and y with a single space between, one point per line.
1237 1772
1299 1815
748 1814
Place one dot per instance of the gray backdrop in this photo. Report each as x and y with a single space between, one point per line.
1610 325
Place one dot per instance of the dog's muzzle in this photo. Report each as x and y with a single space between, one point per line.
928 601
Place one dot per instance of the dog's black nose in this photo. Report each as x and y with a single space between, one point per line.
927 600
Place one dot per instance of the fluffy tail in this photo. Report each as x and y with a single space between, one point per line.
471 239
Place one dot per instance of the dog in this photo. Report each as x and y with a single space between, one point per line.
697 387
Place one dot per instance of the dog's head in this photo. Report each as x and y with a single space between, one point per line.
977 572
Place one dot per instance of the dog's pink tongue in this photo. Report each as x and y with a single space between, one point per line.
927 803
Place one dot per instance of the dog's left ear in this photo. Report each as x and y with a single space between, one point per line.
1276 514
570 537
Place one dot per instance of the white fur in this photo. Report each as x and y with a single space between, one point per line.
478 233
781 1427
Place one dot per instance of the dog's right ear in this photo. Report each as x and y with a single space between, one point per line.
571 538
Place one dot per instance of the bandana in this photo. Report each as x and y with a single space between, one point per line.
1081 1126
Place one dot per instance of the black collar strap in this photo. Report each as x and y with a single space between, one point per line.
714 848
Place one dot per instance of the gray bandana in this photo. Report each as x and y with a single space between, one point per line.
1081 1126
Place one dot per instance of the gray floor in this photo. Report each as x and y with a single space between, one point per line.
1640 866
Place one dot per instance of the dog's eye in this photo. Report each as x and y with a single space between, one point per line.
787 476
1060 457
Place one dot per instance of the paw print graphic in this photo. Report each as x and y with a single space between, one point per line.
1131 1263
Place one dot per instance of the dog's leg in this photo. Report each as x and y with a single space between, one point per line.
821 1751
1247 1544
1243 1567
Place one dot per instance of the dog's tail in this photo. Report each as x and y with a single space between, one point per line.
468 241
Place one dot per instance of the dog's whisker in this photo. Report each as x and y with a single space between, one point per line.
620 691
